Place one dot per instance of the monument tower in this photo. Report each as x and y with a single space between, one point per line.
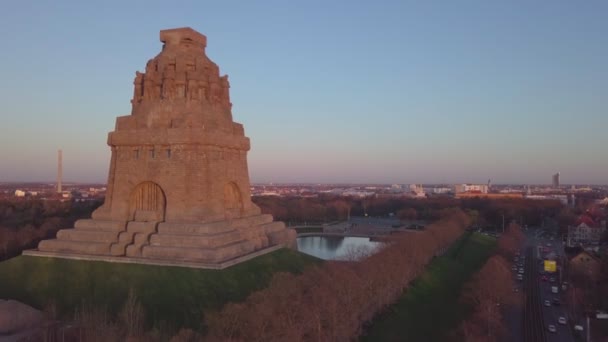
178 185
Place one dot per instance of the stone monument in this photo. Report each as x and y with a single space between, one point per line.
178 186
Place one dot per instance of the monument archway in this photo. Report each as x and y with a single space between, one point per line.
147 203
233 201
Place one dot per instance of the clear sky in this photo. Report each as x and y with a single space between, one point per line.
328 91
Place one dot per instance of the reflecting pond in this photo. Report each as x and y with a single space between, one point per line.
337 247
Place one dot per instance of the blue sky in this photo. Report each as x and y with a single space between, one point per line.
328 91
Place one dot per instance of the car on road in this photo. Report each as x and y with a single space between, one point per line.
556 301
514 268
520 277
547 303
551 328
543 278
552 279
521 271
562 320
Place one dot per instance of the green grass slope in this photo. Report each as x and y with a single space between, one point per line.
173 297
430 307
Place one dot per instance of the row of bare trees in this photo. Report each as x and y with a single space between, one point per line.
490 292
326 208
24 222
13 241
332 302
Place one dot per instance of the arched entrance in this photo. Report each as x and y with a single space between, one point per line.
147 203
233 202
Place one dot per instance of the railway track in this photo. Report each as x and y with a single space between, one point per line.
534 327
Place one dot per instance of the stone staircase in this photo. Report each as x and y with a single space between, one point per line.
131 241
92 237
212 242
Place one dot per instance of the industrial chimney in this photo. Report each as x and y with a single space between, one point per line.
59 170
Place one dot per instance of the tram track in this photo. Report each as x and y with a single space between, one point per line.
534 327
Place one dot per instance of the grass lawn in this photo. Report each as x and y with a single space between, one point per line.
171 296
429 309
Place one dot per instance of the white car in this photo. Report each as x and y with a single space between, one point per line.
561 320
521 271
547 303
551 328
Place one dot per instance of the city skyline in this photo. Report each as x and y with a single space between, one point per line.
356 93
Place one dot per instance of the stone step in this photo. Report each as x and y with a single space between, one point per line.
273 227
202 241
87 235
142 238
126 237
212 227
141 227
139 241
97 225
193 228
251 221
74 247
210 255
119 249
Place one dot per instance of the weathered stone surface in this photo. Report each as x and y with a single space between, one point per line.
178 186
16 317
100 225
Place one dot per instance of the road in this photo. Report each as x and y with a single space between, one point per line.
534 328
550 314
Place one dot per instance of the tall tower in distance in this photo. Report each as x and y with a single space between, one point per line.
556 180
59 170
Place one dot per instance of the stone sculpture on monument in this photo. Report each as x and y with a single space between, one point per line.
178 185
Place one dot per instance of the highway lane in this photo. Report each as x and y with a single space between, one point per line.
533 321
552 313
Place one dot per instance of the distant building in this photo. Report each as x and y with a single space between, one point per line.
358 193
555 180
442 190
562 198
471 188
19 193
417 190
489 195
587 231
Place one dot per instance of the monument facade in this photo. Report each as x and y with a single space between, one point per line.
178 185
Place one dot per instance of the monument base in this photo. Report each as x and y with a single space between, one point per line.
169 242
153 262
